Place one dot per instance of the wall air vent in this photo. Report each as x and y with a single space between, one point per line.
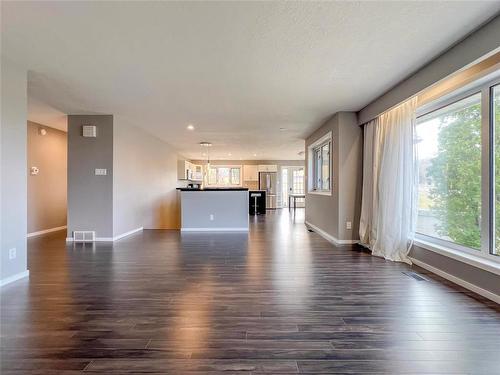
83 236
89 131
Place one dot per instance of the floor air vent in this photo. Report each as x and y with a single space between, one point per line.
415 276
83 236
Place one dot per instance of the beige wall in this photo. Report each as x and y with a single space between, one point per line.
331 212
46 190
145 181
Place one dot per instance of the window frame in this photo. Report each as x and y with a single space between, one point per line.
487 227
217 167
312 175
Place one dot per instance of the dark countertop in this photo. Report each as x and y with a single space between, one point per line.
214 189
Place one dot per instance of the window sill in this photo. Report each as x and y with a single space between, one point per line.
329 193
473 260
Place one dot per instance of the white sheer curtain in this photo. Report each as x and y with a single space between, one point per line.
390 181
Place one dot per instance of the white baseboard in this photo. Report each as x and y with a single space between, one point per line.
214 229
112 239
329 237
15 277
45 231
454 279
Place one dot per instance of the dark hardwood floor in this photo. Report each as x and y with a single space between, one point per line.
276 300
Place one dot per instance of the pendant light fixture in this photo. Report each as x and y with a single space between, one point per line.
206 145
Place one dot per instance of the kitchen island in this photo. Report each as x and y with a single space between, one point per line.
214 209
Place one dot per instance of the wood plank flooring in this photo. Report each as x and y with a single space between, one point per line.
277 300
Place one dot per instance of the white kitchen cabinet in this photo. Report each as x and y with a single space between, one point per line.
189 171
251 173
268 168
183 169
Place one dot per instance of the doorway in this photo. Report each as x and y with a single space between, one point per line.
292 183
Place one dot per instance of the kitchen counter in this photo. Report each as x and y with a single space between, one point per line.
214 209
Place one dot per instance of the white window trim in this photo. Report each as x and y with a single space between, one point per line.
320 192
481 258
240 167
310 167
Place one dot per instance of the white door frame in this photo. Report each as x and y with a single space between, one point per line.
289 183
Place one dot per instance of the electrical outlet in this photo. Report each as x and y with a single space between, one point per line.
348 225
12 253
211 217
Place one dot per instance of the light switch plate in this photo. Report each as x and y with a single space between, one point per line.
101 171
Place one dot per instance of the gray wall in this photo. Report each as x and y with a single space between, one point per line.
350 171
475 46
330 213
46 190
230 209
90 197
13 168
481 278
144 181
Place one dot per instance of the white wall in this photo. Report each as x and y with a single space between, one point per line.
144 181
13 169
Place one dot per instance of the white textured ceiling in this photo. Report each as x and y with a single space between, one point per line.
238 71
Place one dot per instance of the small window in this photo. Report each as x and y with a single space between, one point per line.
320 165
224 176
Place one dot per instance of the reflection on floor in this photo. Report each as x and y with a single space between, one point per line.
276 300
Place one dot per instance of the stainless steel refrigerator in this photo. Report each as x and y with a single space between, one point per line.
268 182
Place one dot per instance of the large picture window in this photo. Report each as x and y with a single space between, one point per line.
449 152
458 148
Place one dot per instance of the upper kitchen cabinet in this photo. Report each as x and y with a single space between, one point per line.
268 168
250 173
189 171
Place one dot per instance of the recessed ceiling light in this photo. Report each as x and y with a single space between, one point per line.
254 154
229 154
190 127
